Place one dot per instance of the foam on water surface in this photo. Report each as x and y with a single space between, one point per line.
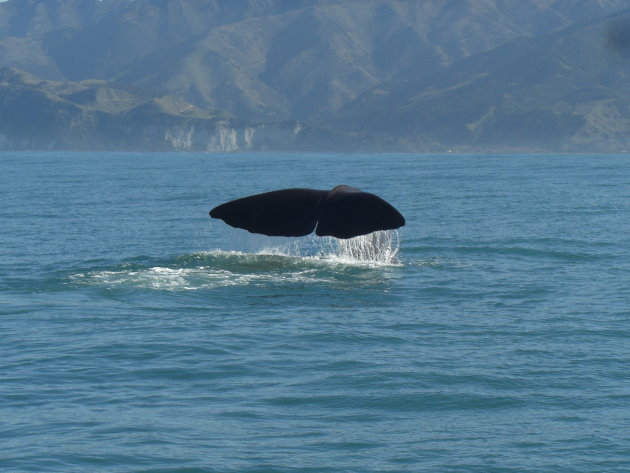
315 260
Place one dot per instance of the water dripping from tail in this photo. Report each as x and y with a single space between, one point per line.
379 247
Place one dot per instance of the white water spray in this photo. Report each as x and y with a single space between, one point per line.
378 247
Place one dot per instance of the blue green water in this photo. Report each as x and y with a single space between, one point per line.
490 334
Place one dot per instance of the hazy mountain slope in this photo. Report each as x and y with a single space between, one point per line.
268 59
386 74
96 114
20 18
101 38
568 90
46 114
26 24
311 61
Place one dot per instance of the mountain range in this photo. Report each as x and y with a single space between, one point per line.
369 75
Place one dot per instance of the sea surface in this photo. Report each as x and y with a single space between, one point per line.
490 334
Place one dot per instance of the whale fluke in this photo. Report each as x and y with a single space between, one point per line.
343 212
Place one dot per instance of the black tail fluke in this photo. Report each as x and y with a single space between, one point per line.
347 212
344 212
288 212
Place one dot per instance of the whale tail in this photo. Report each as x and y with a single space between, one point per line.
287 212
343 212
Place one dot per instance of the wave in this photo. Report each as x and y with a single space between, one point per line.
331 261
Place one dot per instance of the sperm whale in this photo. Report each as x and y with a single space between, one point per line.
343 212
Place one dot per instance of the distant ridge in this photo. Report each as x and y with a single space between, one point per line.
96 114
370 75
565 91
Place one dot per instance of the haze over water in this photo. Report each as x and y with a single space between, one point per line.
490 334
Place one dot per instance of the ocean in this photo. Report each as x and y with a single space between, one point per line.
489 334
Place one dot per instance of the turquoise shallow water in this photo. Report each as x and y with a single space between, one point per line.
491 334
